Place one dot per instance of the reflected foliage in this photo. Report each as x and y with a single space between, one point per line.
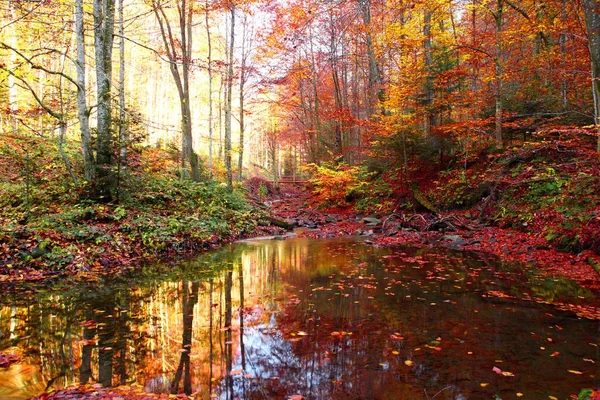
325 319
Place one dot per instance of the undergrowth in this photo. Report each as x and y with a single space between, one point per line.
48 224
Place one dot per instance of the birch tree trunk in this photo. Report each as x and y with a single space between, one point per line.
242 94
228 91
210 90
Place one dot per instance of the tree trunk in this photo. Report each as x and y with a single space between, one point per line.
210 90
591 10
499 70
429 121
122 128
185 26
242 82
228 91
179 51
376 91
563 54
12 87
83 113
104 23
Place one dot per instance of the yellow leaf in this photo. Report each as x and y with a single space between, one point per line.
483 384
519 394
575 372
408 362
552 398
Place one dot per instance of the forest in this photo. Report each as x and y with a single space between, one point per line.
136 132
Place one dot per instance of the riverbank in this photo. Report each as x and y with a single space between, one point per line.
454 230
161 218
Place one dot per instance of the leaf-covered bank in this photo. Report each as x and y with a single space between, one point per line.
535 202
50 227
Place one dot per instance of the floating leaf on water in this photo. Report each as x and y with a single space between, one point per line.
575 372
555 354
519 394
408 362
483 384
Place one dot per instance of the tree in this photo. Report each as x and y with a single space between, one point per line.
591 9
228 90
246 47
179 53
82 108
209 69
104 26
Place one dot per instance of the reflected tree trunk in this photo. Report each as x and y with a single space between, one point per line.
189 300
210 337
89 332
242 349
106 342
123 336
228 335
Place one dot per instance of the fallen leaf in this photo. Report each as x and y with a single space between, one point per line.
519 394
408 362
483 384
497 370
575 372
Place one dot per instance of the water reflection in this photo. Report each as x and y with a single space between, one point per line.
326 319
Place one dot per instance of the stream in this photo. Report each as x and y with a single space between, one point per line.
317 318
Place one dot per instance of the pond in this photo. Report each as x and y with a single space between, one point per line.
321 319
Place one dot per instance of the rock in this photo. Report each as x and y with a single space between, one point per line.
330 218
455 241
370 221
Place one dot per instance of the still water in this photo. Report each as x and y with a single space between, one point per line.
321 319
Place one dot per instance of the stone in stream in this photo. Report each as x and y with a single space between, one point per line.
455 241
371 221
